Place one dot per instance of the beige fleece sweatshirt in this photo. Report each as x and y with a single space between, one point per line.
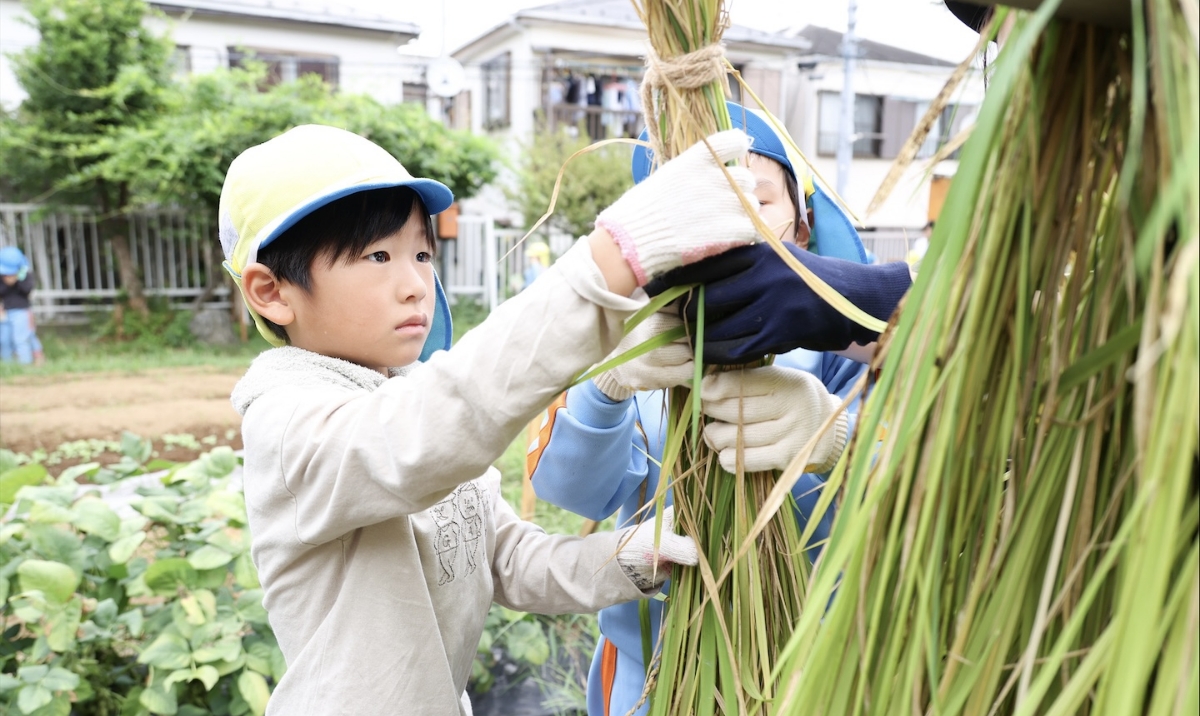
379 532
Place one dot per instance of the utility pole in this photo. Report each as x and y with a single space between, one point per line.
845 146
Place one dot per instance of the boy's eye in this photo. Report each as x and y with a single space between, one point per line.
424 256
378 257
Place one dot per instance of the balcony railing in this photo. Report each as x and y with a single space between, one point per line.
598 122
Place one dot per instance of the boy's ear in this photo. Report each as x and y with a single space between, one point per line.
265 294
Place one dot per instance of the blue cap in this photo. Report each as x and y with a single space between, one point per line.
763 140
12 260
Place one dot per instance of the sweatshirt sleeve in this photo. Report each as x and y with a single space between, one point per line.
591 462
556 574
355 458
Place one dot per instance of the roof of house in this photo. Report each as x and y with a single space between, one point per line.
828 43
337 14
621 14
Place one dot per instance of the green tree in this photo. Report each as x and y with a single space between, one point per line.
182 155
95 72
591 182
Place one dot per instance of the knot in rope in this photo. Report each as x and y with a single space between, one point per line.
690 71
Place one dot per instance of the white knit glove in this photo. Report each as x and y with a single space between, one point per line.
781 409
637 556
686 210
663 367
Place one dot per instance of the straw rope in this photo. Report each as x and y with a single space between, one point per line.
688 71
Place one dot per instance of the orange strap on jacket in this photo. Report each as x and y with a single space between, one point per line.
608 672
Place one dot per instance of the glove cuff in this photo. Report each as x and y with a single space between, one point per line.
832 443
607 383
887 285
649 229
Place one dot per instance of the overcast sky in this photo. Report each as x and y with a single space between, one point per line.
919 25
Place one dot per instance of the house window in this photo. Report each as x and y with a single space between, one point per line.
735 87
497 74
287 66
415 92
952 120
868 125
181 60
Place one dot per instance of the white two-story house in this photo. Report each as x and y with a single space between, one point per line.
893 89
351 49
575 61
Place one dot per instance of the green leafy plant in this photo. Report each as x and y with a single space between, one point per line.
590 183
159 328
150 608
157 608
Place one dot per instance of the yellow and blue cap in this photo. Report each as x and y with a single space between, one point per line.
832 232
270 187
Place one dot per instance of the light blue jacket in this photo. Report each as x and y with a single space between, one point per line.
597 462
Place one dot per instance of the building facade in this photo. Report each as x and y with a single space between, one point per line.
354 51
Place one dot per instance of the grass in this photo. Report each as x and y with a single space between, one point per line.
76 350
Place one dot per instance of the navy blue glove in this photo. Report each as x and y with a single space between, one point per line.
756 305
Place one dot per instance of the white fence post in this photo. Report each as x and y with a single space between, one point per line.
491 274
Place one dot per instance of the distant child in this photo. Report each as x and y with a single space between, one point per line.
17 335
537 258
379 532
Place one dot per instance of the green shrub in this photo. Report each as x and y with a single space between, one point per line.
162 327
160 611
466 313
154 611
591 182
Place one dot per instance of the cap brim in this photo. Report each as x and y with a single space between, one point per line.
436 197
832 233
441 329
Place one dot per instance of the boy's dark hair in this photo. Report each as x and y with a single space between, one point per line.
340 230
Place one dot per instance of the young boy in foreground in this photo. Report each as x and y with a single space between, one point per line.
379 532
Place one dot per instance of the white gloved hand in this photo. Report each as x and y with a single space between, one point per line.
781 409
664 367
636 557
686 210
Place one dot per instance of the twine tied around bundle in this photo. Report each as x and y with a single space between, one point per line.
689 71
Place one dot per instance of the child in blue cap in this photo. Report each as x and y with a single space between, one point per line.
379 532
600 444
17 336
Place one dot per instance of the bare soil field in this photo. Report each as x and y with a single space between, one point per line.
47 411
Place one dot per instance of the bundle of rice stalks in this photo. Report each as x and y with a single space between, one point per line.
1018 522
726 621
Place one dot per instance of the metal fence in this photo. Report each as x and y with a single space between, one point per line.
889 246
487 264
75 272
178 256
